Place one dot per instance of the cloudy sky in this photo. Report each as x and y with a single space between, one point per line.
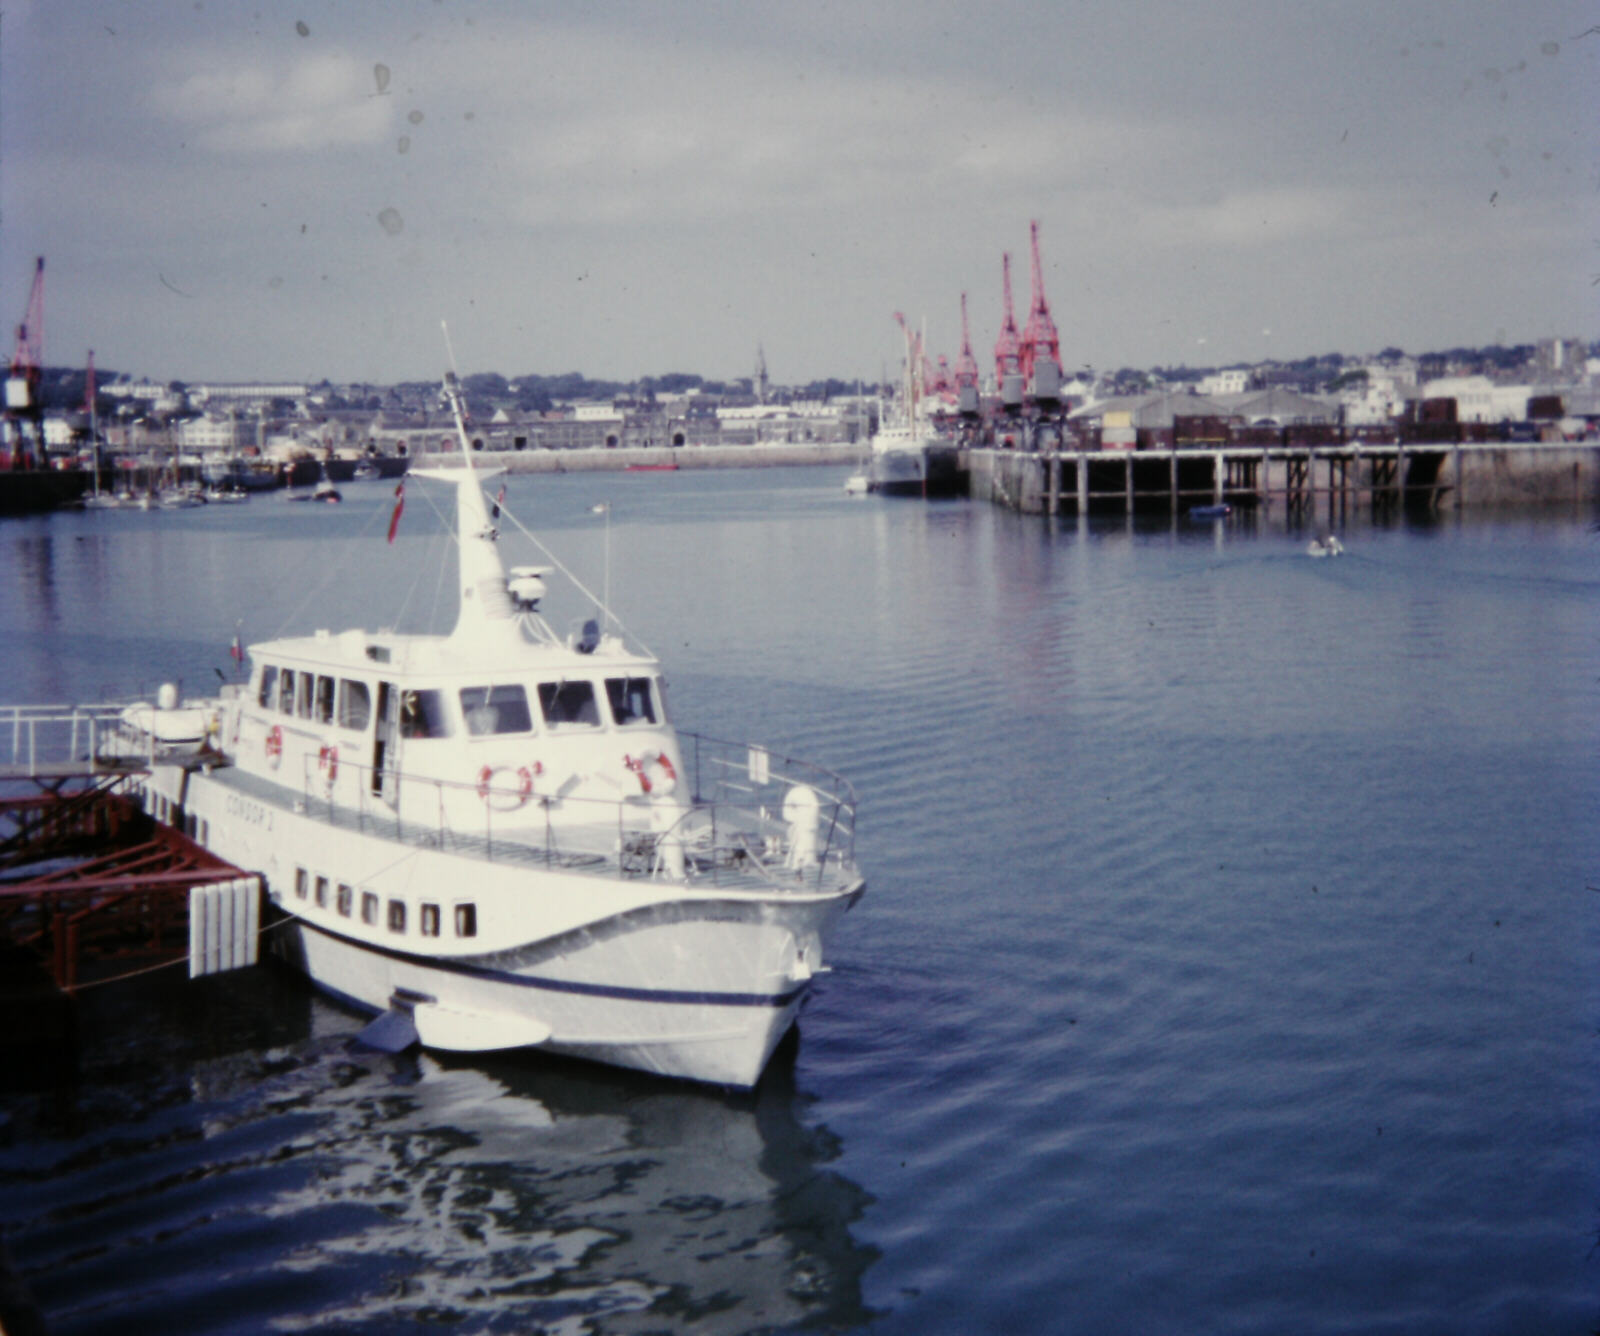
297 190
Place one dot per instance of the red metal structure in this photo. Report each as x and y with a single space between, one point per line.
1040 338
966 373
24 406
1008 347
127 899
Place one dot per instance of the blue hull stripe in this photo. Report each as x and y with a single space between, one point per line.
663 995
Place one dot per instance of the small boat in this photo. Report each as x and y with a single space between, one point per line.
324 491
857 484
1324 545
366 470
495 839
225 494
671 467
1215 512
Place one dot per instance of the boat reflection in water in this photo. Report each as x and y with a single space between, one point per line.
330 1186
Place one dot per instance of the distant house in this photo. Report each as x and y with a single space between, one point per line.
1234 380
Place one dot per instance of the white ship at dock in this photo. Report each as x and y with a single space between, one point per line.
496 839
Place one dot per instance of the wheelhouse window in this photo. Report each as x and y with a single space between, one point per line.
322 892
631 700
397 916
355 704
267 695
422 715
569 703
324 700
466 920
489 710
369 909
300 882
286 691
344 899
305 695
428 921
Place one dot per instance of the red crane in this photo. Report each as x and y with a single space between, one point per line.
966 365
24 405
1040 338
1008 347
966 373
27 362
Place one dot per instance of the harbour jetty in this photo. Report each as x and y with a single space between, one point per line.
1308 481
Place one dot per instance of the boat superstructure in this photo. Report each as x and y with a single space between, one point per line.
496 838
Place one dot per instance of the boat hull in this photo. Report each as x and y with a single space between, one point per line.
711 1036
637 972
918 470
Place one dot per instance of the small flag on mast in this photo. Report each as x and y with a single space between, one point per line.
236 650
399 505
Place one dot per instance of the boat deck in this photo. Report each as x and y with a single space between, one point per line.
603 849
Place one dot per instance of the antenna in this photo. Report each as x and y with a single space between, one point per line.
452 390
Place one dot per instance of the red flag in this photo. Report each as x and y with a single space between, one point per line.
399 505
236 650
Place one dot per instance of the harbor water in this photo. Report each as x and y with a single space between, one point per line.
1228 960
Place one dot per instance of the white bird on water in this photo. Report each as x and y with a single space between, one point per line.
1324 544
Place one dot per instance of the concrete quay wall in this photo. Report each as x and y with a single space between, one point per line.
637 457
1327 480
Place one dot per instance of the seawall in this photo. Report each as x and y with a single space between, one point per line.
635 457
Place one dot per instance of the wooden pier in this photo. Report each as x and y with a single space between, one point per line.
1311 482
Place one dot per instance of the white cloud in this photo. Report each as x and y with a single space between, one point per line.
318 101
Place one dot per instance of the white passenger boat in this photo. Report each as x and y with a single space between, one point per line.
496 839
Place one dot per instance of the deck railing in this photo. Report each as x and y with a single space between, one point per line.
40 740
742 816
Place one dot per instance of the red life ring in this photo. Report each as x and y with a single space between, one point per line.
274 746
642 765
328 763
509 799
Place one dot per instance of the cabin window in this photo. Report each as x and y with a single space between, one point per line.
306 694
346 898
422 715
568 703
429 921
397 916
495 710
630 699
369 908
267 696
286 691
466 920
322 892
300 882
325 700
355 704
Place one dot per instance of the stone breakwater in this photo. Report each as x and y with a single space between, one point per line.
660 457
